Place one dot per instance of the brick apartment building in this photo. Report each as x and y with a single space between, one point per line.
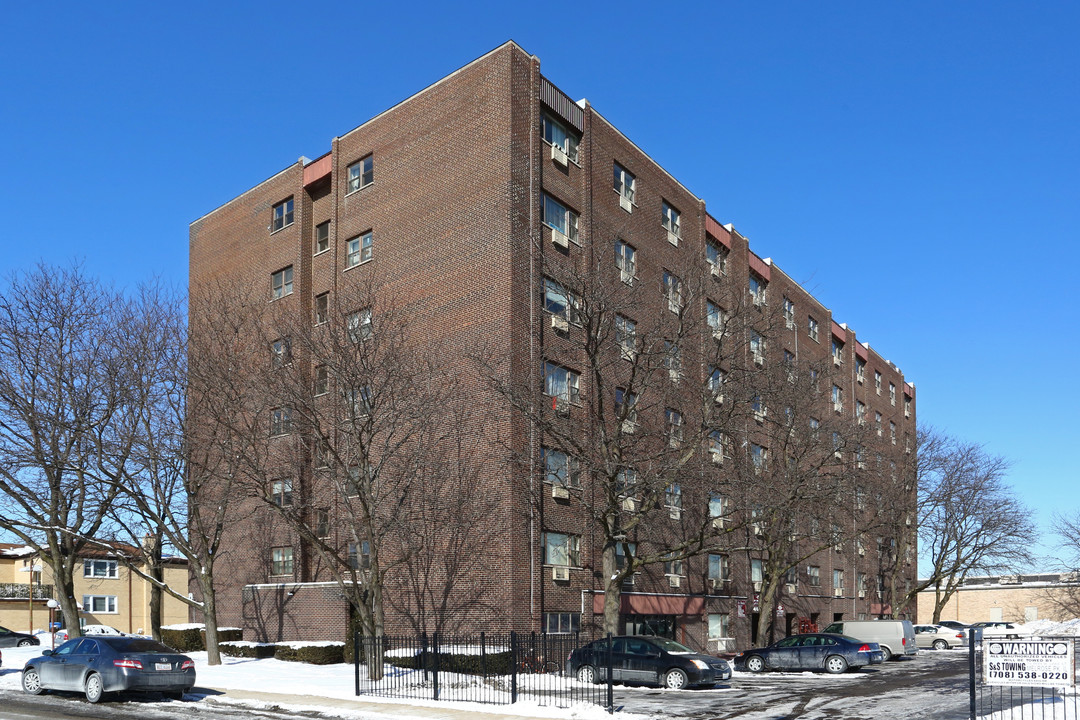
461 199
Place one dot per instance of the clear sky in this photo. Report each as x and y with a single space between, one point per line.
915 165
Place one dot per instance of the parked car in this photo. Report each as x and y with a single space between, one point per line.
896 637
64 635
939 637
812 651
107 663
995 628
954 624
646 659
10 638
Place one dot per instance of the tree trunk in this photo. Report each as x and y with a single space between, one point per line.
158 573
65 595
213 652
766 604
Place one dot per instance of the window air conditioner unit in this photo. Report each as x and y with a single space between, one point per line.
838 592
862 593
838 407
674 513
672 238
559 155
628 353
756 529
791 588
562 407
837 361
629 427
560 492
559 239
629 504
759 415
719 523
560 323
759 359
674 375
717 458
674 581
718 398
625 204
626 276
718 583
757 586
560 573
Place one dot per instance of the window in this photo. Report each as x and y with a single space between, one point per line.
877 423
99 604
322 237
625 260
359 401
789 313
283 215
861 580
719 506
670 220
322 380
757 290
815 427
907 406
358 250
558 301
281 493
812 328
624 183
716 255
860 369
892 432
626 337
322 523
556 134
562 623
719 567
626 405
322 453
837 352
892 394
560 218
322 308
757 570
757 347
716 384
813 575
360 560
560 468
358 325
281 283
360 477
621 553
860 498
673 566
561 383
860 412
281 561
562 549
674 422
625 482
719 626
757 406
673 498
838 579
673 292
758 456
280 421
673 361
877 382
100 568
361 173
280 353
716 318
838 398
716 447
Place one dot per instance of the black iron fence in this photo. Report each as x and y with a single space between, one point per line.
1023 697
21 591
496 669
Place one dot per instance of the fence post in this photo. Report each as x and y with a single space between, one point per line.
974 638
483 655
610 673
424 659
513 666
435 663
356 660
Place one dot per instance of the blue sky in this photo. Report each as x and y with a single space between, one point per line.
914 165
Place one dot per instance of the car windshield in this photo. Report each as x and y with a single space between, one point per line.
126 644
670 645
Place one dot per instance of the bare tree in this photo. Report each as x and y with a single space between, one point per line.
1065 599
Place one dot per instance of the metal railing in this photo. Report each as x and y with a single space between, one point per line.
21 591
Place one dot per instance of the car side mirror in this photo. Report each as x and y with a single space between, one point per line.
46 653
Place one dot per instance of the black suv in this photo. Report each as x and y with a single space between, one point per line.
644 659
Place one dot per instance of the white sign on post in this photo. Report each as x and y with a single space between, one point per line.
1031 663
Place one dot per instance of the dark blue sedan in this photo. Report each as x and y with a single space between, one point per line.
812 651
641 659
105 664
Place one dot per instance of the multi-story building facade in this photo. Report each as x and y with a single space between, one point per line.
472 201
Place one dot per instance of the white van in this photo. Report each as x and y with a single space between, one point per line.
896 637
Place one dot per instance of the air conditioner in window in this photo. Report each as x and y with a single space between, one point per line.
717 458
632 579
837 361
674 581
628 353
759 415
625 204
560 323
672 238
757 586
790 588
629 504
862 593
559 155
838 407
718 583
674 375
838 592
759 359
756 529
714 270
719 523
562 407
718 398
560 492
718 333
560 573
759 299
559 239
629 427
862 550
674 513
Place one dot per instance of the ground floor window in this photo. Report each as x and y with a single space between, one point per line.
719 626
99 604
658 625
562 623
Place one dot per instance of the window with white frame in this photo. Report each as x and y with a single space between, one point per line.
283 215
716 255
625 482
558 217
907 405
892 394
358 325
558 301
559 468
322 308
623 551
562 549
757 570
838 398
626 337
837 351
322 523
757 347
359 401
99 604
673 292
877 382
361 173
670 220
789 313
280 421
838 579
860 411
359 478
281 283
860 370
719 567
719 506
757 406
813 575
624 182
673 566
673 360
626 261
716 447
758 457
673 496
892 432
561 383
719 626
562 623
812 328
93 568
757 290
815 428
556 134
861 582
322 380
281 561
674 422
281 493
322 454
322 237
877 423
359 249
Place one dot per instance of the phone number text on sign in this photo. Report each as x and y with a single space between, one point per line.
1035 663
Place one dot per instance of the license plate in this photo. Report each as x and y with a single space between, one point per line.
163 666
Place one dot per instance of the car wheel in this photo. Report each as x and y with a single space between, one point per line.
31 682
836 664
941 645
93 688
675 679
175 695
754 663
587 674
886 653
25 643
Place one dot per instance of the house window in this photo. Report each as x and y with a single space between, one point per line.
621 555
560 468
558 217
280 421
359 401
322 453
626 405
280 353
361 173
100 568
322 380
812 328
359 477
719 567
757 570
789 313
719 626
673 360
674 421
861 580
757 347
757 406
322 523
837 352
562 549
673 498
626 261
670 220
561 383
626 482
283 215
892 432
877 423
758 456
673 566
860 369
556 134
860 411
877 382
716 318
281 283
558 301
719 506
815 427
716 384
860 498
757 290
716 447
813 575
358 250
358 325
99 604
838 579
907 406
673 292
624 182
360 560
716 255
322 237
626 337
281 493
281 561
838 398
892 394
322 308
562 623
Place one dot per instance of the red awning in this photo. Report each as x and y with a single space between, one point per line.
636 604
758 265
718 232
838 332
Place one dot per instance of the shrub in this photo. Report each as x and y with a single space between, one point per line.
314 654
492 663
260 651
193 639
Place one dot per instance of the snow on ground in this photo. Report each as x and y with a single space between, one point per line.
1052 628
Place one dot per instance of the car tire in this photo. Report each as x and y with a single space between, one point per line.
836 664
25 643
31 682
755 664
588 674
886 653
93 688
940 644
175 695
675 679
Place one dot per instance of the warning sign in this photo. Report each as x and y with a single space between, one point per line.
1033 663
